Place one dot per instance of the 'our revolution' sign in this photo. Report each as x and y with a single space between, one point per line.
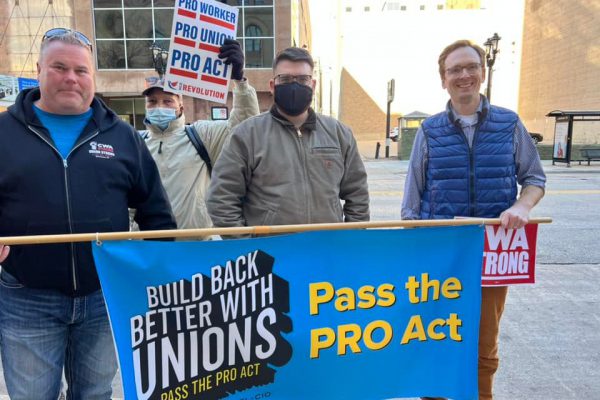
509 255
199 30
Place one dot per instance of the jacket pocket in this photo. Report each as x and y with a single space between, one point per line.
326 151
327 163
337 208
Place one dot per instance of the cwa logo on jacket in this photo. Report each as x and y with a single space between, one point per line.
100 150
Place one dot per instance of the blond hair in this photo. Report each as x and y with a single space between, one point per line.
457 45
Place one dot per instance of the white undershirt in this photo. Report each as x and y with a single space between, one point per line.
467 123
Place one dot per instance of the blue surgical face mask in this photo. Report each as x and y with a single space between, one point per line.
160 116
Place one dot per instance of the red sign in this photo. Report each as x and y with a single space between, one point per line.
509 255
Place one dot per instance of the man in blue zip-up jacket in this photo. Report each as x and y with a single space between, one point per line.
69 165
467 161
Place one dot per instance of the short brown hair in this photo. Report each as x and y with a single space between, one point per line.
294 54
457 45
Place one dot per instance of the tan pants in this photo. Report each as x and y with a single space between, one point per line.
492 307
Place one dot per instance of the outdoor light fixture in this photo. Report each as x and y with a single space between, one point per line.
159 58
491 50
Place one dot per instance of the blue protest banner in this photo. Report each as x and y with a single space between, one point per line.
361 314
25 83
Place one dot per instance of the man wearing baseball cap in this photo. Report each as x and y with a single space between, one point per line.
185 154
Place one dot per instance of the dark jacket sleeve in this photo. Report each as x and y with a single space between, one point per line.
148 196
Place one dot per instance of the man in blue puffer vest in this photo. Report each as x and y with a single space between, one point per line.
467 162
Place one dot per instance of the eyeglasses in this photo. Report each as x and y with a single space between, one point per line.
287 78
59 32
472 69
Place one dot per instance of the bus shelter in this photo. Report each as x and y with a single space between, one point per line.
564 149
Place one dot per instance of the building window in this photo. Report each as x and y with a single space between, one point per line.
253 45
130 110
256 32
440 6
422 8
367 9
348 9
402 8
393 6
125 29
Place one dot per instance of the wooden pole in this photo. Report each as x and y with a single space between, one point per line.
250 230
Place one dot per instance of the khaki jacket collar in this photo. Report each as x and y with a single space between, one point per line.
308 126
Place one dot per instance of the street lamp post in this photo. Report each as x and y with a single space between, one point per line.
159 59
491 50
391 88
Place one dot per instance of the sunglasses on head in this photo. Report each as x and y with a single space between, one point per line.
152 80
59 32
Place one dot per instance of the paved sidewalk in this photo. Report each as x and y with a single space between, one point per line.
550 333
367 149
393 164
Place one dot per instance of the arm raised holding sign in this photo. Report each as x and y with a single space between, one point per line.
232 52
245 102
184 173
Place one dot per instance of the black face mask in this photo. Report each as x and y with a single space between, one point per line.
293 98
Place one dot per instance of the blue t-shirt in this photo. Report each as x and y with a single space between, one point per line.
64 129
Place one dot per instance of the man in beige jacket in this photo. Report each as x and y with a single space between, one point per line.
289 165
185 175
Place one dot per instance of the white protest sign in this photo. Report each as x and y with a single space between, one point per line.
199 29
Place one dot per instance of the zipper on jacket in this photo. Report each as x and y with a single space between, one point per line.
67 193
69 218
160 147
306 186
472 195
471 182
471 172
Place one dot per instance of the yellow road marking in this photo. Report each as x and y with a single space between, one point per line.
548 192
573 191
386 192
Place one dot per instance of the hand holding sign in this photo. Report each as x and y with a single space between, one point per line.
232 52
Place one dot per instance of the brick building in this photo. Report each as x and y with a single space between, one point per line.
122 32
380 40
560 66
